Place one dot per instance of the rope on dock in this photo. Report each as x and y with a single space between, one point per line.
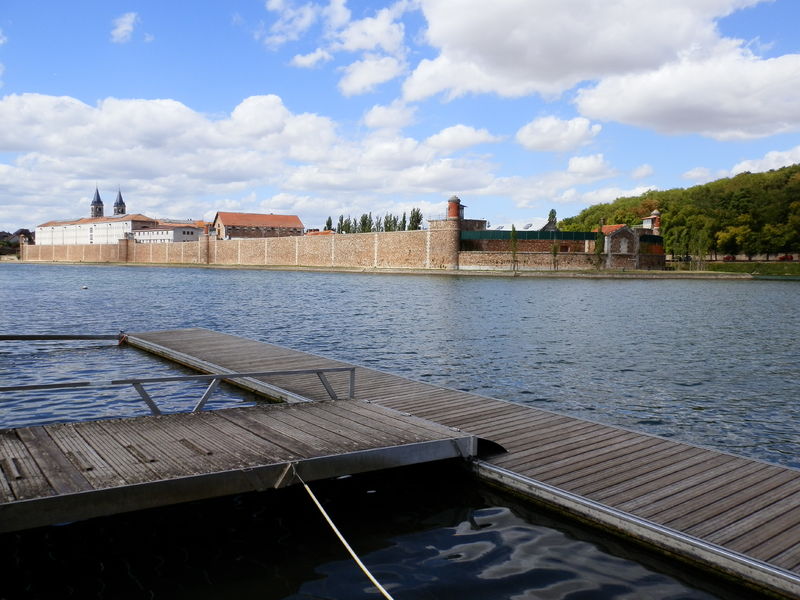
374 581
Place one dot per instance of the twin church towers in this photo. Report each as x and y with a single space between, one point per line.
97 204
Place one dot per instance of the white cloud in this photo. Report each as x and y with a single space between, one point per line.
123 28
726 94
556 135
458 78
336 14
771 160
548 46
171 159
649 63
293 21
395 116
312 59
610 194
642 171
372 33
557 187
364 75
698 175
3 38
592 166
459 137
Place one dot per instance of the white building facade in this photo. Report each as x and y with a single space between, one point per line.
99 229
93 230
167 233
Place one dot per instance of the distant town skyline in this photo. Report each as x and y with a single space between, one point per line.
346 107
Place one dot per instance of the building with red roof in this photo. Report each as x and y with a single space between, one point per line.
234 225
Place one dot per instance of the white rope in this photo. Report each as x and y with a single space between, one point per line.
344 541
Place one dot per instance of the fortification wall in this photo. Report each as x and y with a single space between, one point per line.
529 261
94 253
354 250
402 250
435 248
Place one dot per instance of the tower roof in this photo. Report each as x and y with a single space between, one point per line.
119 201
96 201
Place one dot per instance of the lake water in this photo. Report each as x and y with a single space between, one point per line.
707 362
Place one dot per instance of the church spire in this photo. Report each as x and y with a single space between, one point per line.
119 204
97 204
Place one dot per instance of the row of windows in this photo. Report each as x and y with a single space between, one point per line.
247 228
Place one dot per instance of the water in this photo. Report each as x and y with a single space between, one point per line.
707 362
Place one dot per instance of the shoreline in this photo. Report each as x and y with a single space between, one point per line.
609 274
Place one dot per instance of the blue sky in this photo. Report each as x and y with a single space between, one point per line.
332 107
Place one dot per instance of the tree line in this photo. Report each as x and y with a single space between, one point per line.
751 213
366 223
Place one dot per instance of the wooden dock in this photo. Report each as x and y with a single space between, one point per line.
65 472
732 515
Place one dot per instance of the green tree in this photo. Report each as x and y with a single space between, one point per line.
726 242
365 223
599 246
390 222
328 224
415 219
403 223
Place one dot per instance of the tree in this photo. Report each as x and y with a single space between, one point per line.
328 224
402 226
365 223
415 219
726 242
599 246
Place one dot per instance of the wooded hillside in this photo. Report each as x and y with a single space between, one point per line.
751 213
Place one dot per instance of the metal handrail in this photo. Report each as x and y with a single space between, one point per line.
215 380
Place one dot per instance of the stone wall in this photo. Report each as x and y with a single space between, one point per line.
94 253
436 248
526 261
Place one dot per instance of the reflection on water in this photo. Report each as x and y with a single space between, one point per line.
425 533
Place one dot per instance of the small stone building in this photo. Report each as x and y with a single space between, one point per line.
234 225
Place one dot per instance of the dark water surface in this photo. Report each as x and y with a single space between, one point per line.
707 362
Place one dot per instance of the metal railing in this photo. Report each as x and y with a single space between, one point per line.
214 381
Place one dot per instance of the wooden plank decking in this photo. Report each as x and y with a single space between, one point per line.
731 514
56 473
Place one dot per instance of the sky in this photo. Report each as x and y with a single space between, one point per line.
343 107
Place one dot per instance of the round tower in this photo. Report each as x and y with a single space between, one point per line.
455 210
119 204
97 204
656 216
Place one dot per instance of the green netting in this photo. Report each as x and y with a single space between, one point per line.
528 235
